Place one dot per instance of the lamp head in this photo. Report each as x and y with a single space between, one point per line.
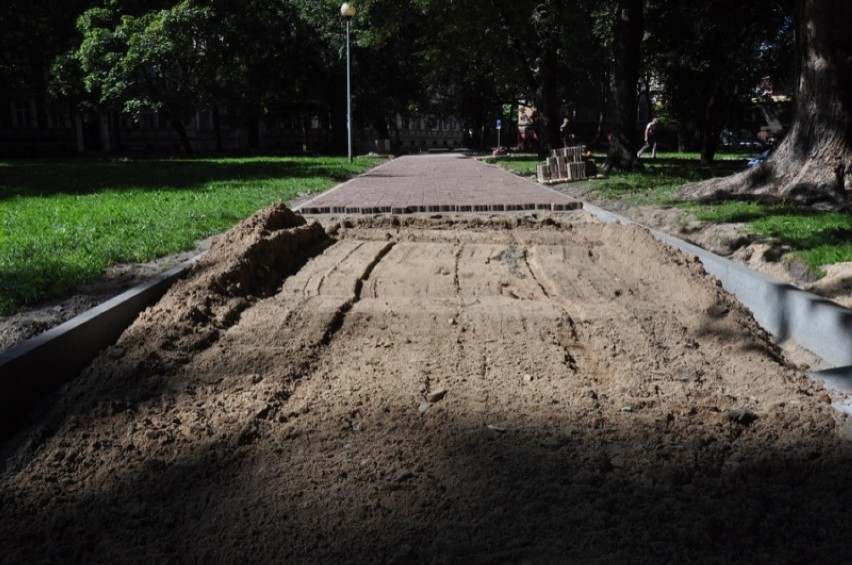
347 11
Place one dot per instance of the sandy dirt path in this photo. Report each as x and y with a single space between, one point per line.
415 390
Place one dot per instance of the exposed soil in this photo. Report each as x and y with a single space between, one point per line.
518 389
725 239
730 240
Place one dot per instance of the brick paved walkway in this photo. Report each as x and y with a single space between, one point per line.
437 183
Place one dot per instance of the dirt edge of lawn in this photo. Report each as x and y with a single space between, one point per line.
726 239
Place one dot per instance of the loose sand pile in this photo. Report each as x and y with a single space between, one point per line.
414 390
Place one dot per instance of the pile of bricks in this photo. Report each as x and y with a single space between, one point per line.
565 164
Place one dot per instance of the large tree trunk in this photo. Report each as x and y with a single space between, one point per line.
810 165
716 113
546 75
628 30
547 102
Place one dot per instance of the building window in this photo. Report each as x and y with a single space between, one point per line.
23 114
57 120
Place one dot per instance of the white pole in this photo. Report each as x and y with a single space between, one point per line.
348 94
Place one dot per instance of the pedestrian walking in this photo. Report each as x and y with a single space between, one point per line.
566 134
651 131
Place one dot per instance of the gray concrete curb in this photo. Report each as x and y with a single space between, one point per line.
45 362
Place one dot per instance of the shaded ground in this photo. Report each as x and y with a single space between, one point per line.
433 390
19 327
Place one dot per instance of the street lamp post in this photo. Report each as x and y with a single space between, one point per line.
347 10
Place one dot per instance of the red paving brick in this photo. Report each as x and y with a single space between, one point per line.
437 183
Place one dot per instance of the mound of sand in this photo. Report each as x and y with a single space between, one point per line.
434 390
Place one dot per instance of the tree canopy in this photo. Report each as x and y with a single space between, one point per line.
811 164
709 57
698 63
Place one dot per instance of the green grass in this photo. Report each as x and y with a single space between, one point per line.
519 163
817 238
62 223
662 179
657 184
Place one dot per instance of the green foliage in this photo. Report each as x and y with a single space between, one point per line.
462 58
710 56
63 223
254 58
472 58
31 34
157 60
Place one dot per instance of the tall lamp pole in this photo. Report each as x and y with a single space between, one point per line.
348 12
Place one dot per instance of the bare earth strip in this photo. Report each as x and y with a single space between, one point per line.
504 390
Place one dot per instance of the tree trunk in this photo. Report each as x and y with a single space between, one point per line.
115 131
217 128
182 135
547 102
810 165
380 127
628 30
307 128
681 137
717 111
711 129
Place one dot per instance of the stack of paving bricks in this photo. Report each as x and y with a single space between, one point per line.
565 164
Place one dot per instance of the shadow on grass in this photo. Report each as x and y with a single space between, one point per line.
32 282
664 175
85 176
801 229
692 170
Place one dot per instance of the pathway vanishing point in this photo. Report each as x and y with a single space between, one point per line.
443 182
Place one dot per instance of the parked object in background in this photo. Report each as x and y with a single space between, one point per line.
755 161
566 164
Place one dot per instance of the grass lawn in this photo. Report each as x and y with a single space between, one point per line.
817 238
62 223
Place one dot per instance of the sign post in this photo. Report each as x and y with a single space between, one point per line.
499 127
